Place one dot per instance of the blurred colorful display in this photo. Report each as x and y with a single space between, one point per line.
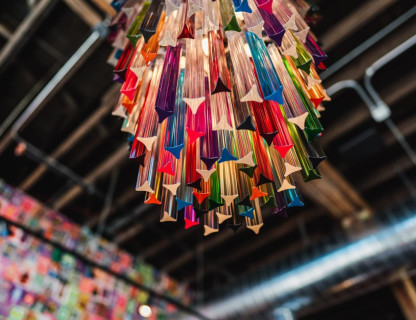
222 101
42 281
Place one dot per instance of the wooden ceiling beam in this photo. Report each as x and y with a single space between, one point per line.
403 162
105 7
84 11
335 194
5 32
25 28
107 102
354 21
356 68
395 91
104 168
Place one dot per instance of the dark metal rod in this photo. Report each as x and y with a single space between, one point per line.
51 88
368 43
108 201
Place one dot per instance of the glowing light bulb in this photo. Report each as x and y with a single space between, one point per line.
145 311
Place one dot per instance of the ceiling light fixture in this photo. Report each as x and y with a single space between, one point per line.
221 100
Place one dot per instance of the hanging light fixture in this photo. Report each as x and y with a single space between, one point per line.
222 101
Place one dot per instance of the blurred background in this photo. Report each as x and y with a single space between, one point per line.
348 254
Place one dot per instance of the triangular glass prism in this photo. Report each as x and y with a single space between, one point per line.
220 87
316 161
270 203
311 133
247 124
139 159
278 37
163 114
182 204
209 161
248 170
316 102
186 33
147 34
214 204
190 223
167 168
297 202
249 213
195 184
226 156
242 7
200 197
233 25
276 96
263 179
269 137
193 135
176 151
305 66
245 202
283 149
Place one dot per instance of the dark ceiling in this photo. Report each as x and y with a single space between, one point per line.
362 151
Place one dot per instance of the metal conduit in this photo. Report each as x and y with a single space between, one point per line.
379 110
385 250
383 112
353 85
26 27
51 88
368 43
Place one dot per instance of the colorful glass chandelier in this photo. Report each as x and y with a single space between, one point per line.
222 101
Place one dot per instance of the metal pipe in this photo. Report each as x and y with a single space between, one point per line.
134 215
376 66
17 110
52 87
380 252
74 137
61 77
383 112
28 25
283 314
52 163
368 43
354 85
117 157
108 201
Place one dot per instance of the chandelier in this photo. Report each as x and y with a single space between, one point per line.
221 100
